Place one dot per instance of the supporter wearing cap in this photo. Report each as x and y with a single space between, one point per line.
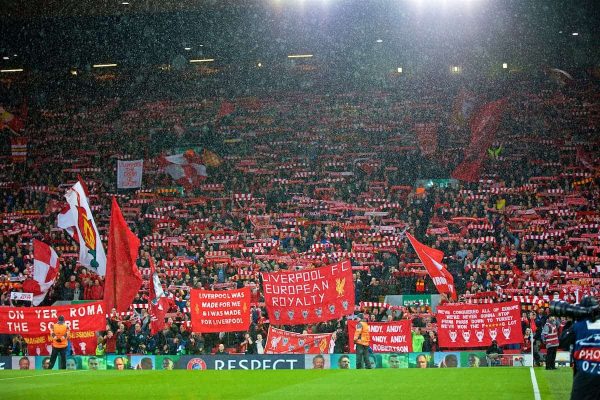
60 340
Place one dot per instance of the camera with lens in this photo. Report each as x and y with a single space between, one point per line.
577 312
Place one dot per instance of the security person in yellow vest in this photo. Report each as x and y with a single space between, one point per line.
362 339
60 340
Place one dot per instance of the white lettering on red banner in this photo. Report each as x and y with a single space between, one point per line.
309 296
386 337
224 311
476 325
37 321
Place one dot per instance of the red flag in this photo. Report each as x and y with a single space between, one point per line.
225 109
123 279
285 342
45 270
484 125
158 303
468 170
220 311
432 260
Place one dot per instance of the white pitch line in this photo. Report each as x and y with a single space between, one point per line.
536 388
37 376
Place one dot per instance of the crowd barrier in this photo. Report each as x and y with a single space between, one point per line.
468 359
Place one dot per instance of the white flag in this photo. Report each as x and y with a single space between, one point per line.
78 221
129 174
45 270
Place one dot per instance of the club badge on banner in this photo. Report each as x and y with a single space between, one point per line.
285 342
38 321
82 343
476 325
129 174
309 296
386 337
220 311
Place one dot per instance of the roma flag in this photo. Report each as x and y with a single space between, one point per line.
432 260
123 279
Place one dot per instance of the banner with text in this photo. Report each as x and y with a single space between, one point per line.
476 325
37 321
83 343
220 311
309 296
386 337
129 174
285 342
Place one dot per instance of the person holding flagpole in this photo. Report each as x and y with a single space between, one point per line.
60 340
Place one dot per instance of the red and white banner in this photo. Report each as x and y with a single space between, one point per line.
78 221
432 260
82 343
476 325
220 311
427 137
285 342
36 321
484 125
18 147
186 168
310 295
386 337
45 271
129 174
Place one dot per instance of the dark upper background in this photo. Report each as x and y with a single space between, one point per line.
49 38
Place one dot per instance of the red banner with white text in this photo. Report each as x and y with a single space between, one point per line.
37 321
310 295
83 343
285 342
427 137
386 337
476 325
220 311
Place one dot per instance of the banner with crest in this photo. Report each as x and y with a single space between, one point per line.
285 342
309 295
476 325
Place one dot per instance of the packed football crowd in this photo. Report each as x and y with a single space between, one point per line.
298 180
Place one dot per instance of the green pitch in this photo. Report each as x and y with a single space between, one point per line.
483 383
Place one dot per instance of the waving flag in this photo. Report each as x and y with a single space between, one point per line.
432 260
158 302
11 121
45 271
185 168
78 221
123 279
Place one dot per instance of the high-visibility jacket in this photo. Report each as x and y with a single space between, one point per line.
60 336
362 335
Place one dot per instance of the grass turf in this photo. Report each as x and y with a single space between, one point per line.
484 383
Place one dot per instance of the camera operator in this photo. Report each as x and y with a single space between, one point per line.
584 337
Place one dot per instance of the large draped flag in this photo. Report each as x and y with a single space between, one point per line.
45 271
484 125
123 279
432 260
158 302
76 218
427 137
185 168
